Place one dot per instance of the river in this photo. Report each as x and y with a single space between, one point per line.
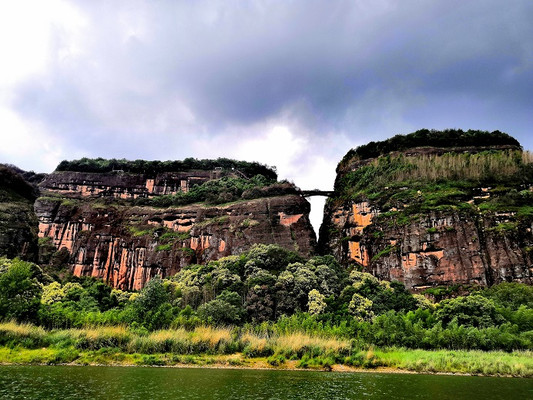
70 382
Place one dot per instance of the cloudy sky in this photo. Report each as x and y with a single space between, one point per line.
294 84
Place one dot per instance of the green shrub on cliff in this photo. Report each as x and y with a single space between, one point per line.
223 190
460 171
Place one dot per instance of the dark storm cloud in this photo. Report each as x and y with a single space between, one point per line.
369 70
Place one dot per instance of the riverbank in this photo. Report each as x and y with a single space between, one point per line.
230 348
392 360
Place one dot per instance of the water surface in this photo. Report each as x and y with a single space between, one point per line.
68 382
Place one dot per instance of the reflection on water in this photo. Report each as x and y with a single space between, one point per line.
62 382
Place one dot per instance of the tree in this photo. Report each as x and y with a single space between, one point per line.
152 308
101 293
511 294
224 279
272 257
361 308
316 303
473 310
20 291
152 296
225 309
260 304
305 280
286 303
52 293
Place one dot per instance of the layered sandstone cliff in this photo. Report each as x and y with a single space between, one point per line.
434 215
124 185
109 236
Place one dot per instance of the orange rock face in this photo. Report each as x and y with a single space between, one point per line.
121 185
288 220
462 248
126 246
362 215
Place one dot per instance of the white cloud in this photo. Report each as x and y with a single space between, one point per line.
28 145
277 146
32 35
28 30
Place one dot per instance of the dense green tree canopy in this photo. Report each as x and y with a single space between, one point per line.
249 169
271 289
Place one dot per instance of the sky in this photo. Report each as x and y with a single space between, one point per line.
293 84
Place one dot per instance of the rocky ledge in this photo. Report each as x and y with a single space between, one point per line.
431 216
92 220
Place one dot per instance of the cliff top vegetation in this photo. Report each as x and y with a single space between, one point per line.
423 183
431 180
448 138
103 165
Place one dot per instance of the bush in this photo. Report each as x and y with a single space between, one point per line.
511 294
474 310
219 312
20 291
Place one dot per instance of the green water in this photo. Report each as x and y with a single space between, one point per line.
62 382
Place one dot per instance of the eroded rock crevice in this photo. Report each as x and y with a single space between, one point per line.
126 245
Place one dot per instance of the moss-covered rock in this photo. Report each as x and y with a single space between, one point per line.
18 223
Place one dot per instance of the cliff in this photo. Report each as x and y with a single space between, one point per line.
456 209
18 224
126 226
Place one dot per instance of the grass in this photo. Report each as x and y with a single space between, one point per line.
468 362
164 247
139 231
248 223
503 227
172 235
187 251
28 344
293 345
24 334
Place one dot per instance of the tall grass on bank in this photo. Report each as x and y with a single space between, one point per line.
25 335
518 363
294 345
201 340
27 344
